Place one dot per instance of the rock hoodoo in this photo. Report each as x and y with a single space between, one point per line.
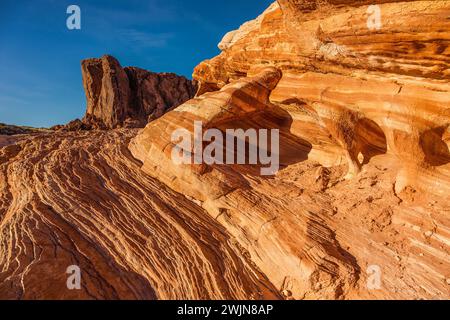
129 96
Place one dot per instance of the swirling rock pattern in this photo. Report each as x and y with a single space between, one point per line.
359 209
396 77
80 199
363 119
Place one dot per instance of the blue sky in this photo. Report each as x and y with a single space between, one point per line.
40 76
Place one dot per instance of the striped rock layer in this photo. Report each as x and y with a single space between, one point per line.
363 114
359 209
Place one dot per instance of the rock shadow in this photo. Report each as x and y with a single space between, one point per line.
292 149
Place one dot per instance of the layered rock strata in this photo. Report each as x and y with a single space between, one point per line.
79 199
358 210
393 80
364 123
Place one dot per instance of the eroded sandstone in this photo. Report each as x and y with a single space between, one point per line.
333 65
363 187
364 118
129 96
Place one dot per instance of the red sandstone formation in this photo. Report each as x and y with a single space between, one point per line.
79 198
363 118
393 81
129 96
367 110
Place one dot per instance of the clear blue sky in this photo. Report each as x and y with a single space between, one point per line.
40 77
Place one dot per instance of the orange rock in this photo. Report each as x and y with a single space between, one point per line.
359 209
373 91
363 116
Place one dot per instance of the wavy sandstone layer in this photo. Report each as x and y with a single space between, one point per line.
80 199
345 75
362 193
364 121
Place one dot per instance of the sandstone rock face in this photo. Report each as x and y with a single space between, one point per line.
79 199
107 90
358 210
153 94
239 99
363 114
130 96
395 78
